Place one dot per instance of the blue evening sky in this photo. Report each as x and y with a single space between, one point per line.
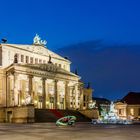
64 22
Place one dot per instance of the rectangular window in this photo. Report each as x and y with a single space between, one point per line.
61 100
16 58
51 99
31 60
84 97
132 111
40 61
22 58
87 98
40 99
44 61
27 59
84 104
36 60
60 65
120 112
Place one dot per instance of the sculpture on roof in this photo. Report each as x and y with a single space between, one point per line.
50 59
37 41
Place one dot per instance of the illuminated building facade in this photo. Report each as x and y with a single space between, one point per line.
34 75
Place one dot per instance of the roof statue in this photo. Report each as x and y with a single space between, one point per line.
37 41
50 59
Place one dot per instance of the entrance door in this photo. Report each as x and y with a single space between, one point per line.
51 102
61 103
9 116
40 102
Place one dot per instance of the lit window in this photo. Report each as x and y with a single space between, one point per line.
131 111
51 99
61 100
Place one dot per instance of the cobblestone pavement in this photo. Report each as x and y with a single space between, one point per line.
81 131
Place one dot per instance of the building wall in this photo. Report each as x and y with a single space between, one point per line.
2 88
24 114
8 52
91 113
87 97
133 110
126 111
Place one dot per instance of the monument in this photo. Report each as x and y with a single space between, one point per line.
111 117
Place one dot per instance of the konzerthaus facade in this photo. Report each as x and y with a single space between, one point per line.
32 74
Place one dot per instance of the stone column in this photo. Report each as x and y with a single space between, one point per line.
8 91
30 86
76 96
67 100
15 96
81 98
56 94
44 92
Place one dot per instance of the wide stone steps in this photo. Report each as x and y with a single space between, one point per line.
52 115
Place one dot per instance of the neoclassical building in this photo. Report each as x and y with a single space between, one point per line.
32 74
129 106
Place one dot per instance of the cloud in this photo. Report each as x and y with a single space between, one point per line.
113 70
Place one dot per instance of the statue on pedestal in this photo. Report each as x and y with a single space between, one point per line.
37 41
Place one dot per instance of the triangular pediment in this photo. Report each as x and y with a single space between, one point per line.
38 49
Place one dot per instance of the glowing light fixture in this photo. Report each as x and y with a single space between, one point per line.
47 102
35 101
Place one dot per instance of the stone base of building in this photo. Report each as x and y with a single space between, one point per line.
24 114
29 114
90 113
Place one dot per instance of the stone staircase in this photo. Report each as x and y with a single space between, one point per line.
52 115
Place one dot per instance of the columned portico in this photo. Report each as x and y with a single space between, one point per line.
56 90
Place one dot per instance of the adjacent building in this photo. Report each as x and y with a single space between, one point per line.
129 106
